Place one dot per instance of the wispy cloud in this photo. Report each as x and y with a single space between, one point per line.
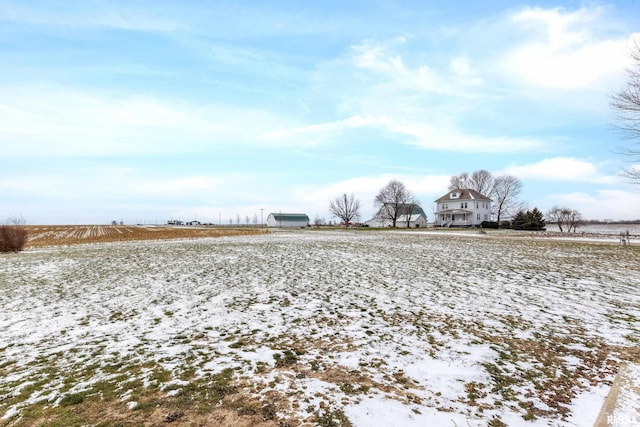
60 121
422 135
562 169
85 15
564 49
444 138
324 130
385 59
596 204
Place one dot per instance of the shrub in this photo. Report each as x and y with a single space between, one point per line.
489 224
13 235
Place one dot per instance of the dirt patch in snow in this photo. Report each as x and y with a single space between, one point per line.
43 235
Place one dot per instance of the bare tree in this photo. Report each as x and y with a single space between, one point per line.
557 215
395 200
255 219
13 235
505 194
563 216
318 221
575 220
626 104
459 182
481 181
345 207
247 219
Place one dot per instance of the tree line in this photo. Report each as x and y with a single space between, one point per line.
395 200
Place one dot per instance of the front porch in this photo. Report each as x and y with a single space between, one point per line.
455 218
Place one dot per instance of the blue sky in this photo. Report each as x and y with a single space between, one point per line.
143 111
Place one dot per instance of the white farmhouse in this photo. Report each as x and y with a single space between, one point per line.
462 208
287 220
412 213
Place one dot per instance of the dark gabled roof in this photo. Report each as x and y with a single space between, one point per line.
290 217
465 194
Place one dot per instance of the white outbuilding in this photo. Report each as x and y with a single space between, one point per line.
287 220
410 212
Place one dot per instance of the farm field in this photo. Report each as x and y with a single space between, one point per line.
47 235
316 328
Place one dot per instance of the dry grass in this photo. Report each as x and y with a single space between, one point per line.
53 235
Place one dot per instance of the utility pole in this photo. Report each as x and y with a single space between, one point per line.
261 218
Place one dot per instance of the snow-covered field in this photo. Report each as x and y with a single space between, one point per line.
612 229
317 328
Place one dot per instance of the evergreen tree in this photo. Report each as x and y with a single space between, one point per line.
530 220
519 221
536 219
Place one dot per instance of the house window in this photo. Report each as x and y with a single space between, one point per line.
478 217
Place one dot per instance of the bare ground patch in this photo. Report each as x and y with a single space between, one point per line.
43 235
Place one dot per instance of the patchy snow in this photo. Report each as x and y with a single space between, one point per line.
405 329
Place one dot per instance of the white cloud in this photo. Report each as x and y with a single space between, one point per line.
445 138
106 192
326 129
385 59
81 15
111 183
612 204
463 71
59 121
423 135
564 49
561 169
395 87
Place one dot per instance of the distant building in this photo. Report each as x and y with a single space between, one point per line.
193 223
411 213
175 222
287 220
462 208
